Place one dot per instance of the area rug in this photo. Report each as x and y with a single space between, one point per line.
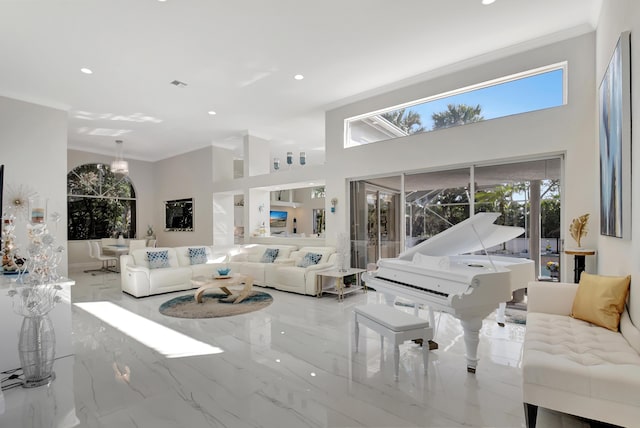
214 305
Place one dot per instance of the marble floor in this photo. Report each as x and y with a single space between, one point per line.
291 364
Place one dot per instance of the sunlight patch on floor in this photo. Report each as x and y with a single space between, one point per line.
168 342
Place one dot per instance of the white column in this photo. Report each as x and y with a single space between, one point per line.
256 156
256 212
222 210
223 216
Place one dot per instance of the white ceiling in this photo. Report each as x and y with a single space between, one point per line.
239 57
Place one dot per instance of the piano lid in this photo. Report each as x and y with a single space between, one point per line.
461 238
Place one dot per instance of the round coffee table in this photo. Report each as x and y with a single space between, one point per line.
205 283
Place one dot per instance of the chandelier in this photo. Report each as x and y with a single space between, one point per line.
119 165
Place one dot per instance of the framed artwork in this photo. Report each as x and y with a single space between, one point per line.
615 143
179 215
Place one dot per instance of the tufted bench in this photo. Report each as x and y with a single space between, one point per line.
396 325
575 367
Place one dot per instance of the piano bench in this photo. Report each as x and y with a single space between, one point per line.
397 326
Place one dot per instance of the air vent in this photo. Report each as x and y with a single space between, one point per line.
179 84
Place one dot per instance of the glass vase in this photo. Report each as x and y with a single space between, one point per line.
37 349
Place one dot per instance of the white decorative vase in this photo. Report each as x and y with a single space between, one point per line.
37 350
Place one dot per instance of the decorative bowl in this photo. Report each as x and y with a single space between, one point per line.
224 271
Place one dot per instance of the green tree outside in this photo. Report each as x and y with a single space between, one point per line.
407 120
456 115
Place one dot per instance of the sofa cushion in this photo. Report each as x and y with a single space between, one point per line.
309 259
158 259
270 255
577 357
197 256
326 252
600 299
254 253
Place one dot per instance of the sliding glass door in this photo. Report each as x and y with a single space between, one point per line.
375 225
526 194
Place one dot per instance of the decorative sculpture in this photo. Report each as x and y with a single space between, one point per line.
578 228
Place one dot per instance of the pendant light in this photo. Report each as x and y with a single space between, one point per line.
119 165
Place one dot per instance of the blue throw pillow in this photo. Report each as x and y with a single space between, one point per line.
198 256
158 259
310 259
269 256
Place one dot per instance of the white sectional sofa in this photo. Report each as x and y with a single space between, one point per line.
577 367
139 279
247 260
288 276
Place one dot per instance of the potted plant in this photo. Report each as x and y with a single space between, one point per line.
554 269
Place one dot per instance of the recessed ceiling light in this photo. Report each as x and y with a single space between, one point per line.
212 113
86 70
298 77
486 2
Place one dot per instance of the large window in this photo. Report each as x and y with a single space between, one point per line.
521 93
100 203
526 194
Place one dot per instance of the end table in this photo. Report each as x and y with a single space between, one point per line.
579 261
339 277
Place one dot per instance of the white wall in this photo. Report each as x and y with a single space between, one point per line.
618 256
186 176
569 130
33 147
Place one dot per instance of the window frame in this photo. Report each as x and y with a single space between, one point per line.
97 191
347 142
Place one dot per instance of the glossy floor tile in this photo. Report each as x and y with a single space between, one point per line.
291 364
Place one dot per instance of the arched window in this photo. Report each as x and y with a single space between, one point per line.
100 203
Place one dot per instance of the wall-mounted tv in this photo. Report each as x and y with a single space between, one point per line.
278 219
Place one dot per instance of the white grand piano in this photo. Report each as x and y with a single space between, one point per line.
440 273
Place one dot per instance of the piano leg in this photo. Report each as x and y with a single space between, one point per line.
500 313
471 329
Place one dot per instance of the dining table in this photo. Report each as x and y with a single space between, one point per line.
116 250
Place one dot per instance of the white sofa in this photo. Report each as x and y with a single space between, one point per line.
139 280
247 260
576 367
287 276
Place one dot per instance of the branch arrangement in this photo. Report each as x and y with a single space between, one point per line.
578 228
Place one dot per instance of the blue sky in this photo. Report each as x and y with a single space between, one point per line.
528 94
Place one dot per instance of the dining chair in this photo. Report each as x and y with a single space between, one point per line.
106 265
92 255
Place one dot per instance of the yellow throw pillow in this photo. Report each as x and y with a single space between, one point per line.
600 299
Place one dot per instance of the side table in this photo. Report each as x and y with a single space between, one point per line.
579 261
339 275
